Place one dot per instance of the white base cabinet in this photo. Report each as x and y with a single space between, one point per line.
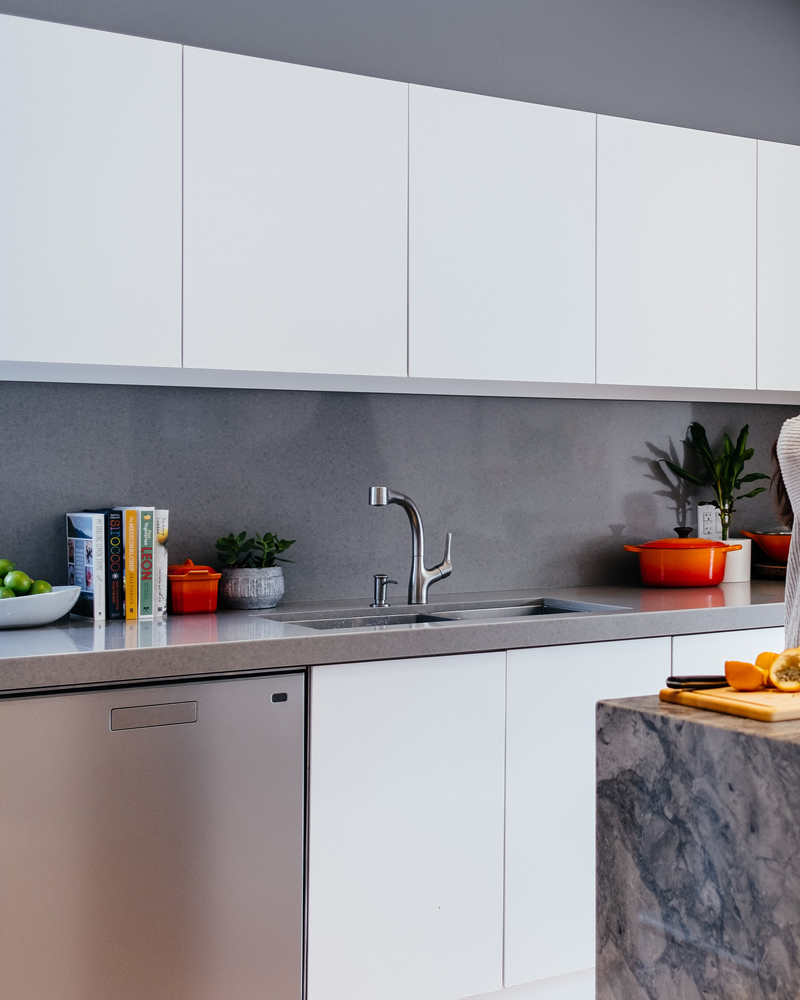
405 890
707 652
550 794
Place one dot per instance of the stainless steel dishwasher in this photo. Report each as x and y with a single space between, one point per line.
152 842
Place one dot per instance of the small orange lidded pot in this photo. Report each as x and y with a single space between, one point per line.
192 589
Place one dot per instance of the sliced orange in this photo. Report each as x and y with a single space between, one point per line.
765 661
744 676
785 671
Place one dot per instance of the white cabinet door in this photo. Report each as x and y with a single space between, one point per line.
501 239
676 256
90 196
706 653
295 218
406 829
550 794
778 266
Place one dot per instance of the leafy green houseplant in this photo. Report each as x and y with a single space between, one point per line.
250 576
722 472
239 551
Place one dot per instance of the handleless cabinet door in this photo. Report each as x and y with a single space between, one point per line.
501 239
676 256
550 794
778 266
405 877
90 196
295 218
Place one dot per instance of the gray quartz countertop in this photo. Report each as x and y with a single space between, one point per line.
73 653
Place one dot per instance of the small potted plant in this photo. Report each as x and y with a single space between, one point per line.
723 472
250 576
723 476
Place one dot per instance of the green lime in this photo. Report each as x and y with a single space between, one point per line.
18 581
40 587
6 565
6 592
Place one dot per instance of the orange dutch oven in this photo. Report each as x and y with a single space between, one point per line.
682 562
774 543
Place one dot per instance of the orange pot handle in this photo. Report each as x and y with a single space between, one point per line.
749 534
730 548
636 548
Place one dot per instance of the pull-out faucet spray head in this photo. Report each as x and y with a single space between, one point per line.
378 496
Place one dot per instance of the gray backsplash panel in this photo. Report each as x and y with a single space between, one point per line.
723 65
538 492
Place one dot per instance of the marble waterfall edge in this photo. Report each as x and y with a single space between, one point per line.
698 855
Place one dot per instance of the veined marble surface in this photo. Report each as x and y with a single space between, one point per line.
698 855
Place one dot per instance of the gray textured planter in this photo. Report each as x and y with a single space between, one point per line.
252 588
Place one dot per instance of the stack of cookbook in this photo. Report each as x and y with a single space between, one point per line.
118 557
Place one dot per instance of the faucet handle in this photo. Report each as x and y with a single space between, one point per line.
445 567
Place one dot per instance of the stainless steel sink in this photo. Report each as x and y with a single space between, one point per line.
368 621
489 611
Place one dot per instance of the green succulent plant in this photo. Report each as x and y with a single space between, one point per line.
241 552
723 472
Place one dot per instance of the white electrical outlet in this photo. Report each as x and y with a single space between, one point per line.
709 524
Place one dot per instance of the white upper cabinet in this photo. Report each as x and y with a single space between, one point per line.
405 865
501 239
676 264
90 196
295 208
778 266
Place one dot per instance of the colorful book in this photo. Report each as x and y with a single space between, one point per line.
86 559
130 529
161 566
147 523
114 569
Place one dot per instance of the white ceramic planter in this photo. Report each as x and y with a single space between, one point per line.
252 588
737 564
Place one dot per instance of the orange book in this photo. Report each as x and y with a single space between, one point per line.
131 516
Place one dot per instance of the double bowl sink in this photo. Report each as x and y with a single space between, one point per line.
486 612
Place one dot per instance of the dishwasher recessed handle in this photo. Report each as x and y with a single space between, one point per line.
176 713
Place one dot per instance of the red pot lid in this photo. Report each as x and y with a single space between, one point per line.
188 568
683 543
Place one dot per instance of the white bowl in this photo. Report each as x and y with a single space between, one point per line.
39 609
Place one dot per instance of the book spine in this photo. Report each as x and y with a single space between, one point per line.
161 562
114 566
146 543
131 563
99 578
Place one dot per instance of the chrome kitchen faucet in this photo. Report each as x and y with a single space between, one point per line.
421 578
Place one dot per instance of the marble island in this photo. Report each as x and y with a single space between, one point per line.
698 854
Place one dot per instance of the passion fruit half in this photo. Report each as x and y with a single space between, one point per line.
785 671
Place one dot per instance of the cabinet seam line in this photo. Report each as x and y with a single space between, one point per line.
596 132
183 185
505 798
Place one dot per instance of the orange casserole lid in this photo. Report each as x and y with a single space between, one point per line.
684 543
188 570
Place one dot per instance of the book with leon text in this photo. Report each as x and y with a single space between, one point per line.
86 535
147 523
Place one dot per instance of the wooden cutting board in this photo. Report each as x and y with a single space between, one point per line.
764 706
